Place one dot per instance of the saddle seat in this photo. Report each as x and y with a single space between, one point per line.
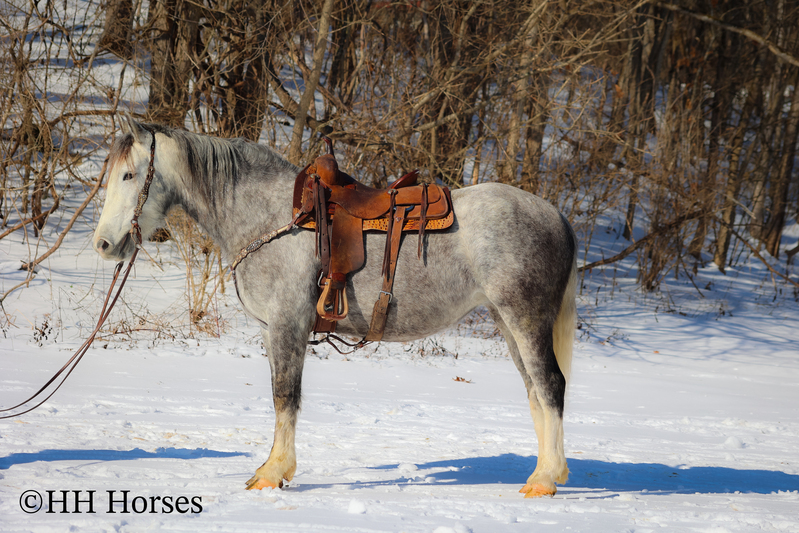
340 208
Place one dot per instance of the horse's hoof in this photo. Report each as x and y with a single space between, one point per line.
261 483
537 490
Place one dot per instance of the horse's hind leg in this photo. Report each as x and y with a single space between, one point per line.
532 338
286 358
535 408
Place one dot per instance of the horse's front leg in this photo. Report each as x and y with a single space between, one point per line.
286 352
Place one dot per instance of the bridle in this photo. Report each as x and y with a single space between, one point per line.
135 232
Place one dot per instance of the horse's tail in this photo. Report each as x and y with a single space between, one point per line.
565 324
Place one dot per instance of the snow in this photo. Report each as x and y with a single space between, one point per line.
681 415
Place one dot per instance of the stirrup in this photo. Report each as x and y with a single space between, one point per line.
332 304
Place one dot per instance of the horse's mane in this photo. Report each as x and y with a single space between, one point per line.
216 165
215 158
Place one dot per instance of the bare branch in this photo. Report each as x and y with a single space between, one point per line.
749 34
30 266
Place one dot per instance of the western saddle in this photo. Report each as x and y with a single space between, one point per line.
340 209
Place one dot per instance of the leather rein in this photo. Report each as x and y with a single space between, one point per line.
108 303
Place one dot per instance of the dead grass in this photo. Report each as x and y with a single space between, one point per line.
205 274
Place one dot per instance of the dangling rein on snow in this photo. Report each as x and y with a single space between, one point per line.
69 366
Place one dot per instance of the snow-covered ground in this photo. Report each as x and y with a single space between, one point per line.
682 414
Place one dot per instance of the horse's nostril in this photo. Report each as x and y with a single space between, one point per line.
103 245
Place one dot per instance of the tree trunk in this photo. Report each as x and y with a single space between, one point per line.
732 187
537 106
639 90
116 37
450 33
295 148
769 137
343 64
243 99
718 118
780 187
175 29
478 149
520 96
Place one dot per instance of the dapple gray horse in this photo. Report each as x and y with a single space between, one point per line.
508 250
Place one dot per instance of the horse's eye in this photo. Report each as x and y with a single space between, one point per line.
127 176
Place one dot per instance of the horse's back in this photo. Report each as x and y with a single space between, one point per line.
518 243
508 216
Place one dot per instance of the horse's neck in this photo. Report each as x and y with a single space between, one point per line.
257 204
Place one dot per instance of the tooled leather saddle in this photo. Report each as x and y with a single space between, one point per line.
340 209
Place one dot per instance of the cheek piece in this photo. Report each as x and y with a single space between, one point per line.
135 229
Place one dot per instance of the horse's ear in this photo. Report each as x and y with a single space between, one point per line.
132 126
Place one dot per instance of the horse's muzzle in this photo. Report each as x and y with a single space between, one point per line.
116 252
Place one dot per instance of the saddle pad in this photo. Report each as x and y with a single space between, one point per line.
372 205
381 224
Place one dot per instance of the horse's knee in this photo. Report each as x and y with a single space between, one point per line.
286 385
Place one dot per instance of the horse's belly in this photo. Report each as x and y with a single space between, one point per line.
408 319
427 296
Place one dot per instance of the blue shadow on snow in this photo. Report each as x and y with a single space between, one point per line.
111 455
603 475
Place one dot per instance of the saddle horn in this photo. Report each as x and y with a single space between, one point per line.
329 143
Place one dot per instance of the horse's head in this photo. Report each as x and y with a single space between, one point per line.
128 162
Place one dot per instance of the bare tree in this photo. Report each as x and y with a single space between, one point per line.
295 148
